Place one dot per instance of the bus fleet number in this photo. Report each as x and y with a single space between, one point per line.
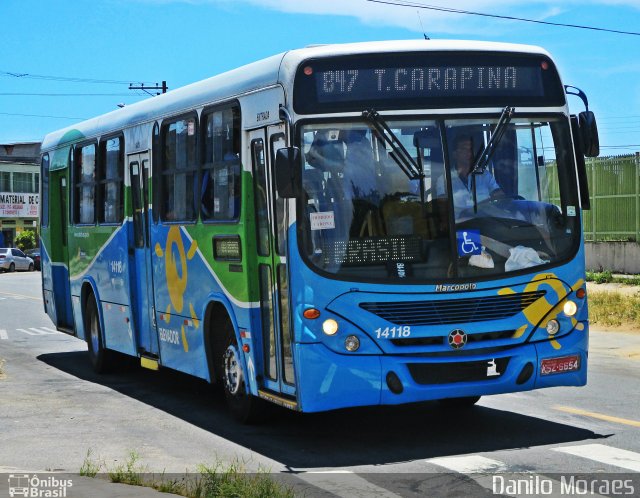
393 332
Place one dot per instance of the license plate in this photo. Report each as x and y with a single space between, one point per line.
560 365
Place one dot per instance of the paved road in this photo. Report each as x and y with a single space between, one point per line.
53 410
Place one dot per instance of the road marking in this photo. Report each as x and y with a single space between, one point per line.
26 332
20 296
38 331
3 334
43 330
599 416
469 464
605 454
350 486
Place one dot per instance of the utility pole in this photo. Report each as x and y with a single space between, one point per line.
146 88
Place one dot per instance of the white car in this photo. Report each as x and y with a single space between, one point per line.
12 259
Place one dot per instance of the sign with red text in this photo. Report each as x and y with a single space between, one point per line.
17 205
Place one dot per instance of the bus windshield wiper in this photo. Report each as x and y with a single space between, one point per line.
485 156
398 152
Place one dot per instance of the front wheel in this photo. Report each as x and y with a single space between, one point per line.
12 268
30 266
101 358
243 406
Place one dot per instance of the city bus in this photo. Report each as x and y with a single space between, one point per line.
299 230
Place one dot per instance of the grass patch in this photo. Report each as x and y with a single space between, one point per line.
2 369
233 481
90 468
614 309
216 481
606 277
129 473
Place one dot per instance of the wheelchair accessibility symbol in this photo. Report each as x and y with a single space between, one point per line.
468 242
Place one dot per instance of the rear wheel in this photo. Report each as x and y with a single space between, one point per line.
101 358
243 406
12 268
466 402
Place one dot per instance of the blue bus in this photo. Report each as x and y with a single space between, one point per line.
336 226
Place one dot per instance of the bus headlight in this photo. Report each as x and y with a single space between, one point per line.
570 308
352 343
330 327
553 327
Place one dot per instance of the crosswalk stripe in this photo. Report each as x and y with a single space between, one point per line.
43 330
27 332
604 454
469 464
350 486
3 334
49 329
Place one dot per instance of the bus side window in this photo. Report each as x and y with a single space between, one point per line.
220 176
178 170
85 184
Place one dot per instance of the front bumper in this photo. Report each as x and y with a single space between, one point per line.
328 380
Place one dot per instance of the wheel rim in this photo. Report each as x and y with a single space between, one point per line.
95 333
232 371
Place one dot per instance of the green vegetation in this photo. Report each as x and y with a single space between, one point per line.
129 473
89 467
217 481
614 309
606 277
26 240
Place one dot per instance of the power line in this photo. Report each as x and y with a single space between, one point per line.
15 74
416 5
19 94
40 116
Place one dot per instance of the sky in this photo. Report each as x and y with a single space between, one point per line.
63 61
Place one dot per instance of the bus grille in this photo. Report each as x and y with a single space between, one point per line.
477 309
467 371
439 341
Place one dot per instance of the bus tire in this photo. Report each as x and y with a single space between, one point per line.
244 407
100 357
465 402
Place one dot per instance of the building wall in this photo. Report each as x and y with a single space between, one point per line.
617 257
19 190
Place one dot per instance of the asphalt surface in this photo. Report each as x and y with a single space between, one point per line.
54 410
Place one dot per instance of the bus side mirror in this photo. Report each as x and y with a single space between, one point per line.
287 172
589 134
583 183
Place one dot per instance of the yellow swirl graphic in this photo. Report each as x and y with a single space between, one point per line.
176 281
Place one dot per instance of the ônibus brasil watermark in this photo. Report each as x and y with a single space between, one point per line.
35 487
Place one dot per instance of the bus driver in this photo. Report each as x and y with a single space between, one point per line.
462 180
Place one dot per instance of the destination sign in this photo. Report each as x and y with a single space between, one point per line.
426 80
433 81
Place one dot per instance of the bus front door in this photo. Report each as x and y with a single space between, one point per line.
140 270
273 277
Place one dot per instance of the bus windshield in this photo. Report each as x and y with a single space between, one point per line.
428 208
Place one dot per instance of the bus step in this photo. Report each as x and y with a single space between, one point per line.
279 399
150 363
66 330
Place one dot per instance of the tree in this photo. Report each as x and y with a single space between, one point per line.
26 240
